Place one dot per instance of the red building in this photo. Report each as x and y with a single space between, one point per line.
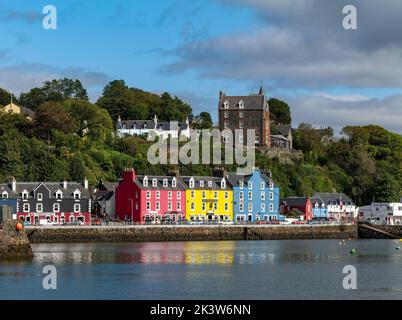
300 205
150 198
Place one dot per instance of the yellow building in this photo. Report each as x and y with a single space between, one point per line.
208 198
15 109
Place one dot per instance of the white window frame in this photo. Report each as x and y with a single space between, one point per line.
170 195
202 184
148 205
192 206
148 195
39 207
56 205
26 207
209 184
226 206
158 206
154 183
262 195
250 195
226 104
77 208
263 185
77 193
170 205
191 183
262 207
241 207
250 185
226 195
40 196
145 181
158 194
178 206
192 194
223 184
241 104
178 195
241 195
4 195
59 195
271 207
174 183
25 195
250 207
165 183
271 196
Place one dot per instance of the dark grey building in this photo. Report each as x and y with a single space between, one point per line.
246 112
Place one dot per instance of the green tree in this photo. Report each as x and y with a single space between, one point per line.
279 111
203 121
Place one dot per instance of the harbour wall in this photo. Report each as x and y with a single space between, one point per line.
186 233
14 245
379 231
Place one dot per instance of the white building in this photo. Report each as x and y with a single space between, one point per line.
339 205
382 213
165 130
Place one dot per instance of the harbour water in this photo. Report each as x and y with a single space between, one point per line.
293 269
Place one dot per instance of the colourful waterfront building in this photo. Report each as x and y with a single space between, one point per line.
150 198
208 198
255 197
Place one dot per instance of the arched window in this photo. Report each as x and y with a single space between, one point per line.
241 104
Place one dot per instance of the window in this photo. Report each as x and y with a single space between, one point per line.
250 185
271 185
241 195
226 104
262 185
178 206
148 195
202 184
154 182
204 207
204 195
241 114
148 205
250 207
158 194
4 195
215 195
192 194
165 183
241 124
25 195
215 206
77 208
271 196
40 196
241 104
174 183
241 184
145 182
209 184
262 207
26 207
191 183
226 114
271 207
158 206
223 184
170 195
262 195
226 195
226 206
170 205
192 206
226 125
59 195
178 196
77 195
39 207
241 207
250 195
56 207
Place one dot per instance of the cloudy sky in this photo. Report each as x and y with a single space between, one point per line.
330 76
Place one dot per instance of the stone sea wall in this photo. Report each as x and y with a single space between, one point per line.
366 233
14 245
185 233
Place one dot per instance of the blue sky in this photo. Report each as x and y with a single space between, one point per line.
195 48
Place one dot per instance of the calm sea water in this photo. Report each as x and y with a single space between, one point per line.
209 270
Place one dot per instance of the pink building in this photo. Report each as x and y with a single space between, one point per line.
150 199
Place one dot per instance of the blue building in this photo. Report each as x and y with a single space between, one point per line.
255 197
320 210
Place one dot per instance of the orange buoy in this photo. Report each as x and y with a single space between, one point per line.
19 226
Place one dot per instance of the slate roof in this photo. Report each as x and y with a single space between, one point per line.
285 129
52 186
334 198
139 182
216 183
234 179
251 102
295 201
129 124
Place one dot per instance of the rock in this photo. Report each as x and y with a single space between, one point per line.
14 245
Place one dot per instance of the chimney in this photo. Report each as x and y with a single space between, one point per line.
129 175
65 183
85 183
14 185
174 173
220 172
221 95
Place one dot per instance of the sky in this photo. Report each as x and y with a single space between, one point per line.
193 49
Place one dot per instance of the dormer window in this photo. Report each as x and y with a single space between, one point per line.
59 195
191 183
174 183
250 185
226 104
161 128
209 184
135 126
241 104
223 184
145 182
77 195
202 184
25 195
40 196
271 185
241 184
4 195
145 125
165 183
154 182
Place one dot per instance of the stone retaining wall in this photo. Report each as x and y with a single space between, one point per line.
14 245
185 233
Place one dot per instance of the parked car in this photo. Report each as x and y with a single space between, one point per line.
261 222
